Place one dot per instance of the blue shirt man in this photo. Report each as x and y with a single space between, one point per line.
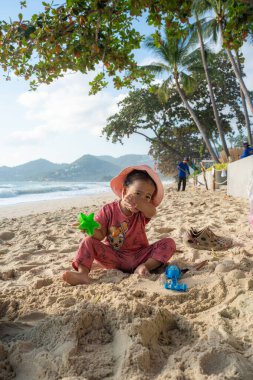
248 150
183 170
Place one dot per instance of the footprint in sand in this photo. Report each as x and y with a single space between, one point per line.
32 318
230 220
230 313
8 275
10 329
69 249
163 230
4 251
67 302
27 267
7 235
216 363
52 238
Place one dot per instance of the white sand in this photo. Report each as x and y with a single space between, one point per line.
122 326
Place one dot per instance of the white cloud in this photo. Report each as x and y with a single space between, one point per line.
65 106
148 60
28 136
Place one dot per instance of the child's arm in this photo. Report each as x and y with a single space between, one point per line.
100 233
147 208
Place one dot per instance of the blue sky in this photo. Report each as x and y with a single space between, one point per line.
61 122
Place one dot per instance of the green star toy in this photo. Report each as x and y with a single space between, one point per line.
87 223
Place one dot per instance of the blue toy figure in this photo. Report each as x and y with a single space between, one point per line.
173 273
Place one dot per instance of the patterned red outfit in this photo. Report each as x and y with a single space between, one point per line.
125 246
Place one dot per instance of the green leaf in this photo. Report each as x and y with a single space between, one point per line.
23 4
69 3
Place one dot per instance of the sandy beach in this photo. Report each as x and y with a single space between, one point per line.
123 326
33 208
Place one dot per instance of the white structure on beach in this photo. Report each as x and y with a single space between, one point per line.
239 177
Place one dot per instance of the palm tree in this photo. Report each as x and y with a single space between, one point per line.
173 53
197 25
244 105
217 26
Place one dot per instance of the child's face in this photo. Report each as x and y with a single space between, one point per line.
141 189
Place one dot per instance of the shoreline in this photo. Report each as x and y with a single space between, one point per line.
39 207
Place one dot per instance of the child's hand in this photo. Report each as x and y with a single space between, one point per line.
135 203
130 202
77 224
99 233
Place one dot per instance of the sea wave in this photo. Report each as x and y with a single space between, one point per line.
7 192
11 193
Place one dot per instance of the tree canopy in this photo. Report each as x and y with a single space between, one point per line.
83 35
165 122
77 35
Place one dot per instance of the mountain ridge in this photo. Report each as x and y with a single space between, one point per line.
85 168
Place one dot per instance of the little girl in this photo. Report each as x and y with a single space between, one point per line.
121 241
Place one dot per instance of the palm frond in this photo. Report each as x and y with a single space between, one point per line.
192 57
201 7
194 34
199 24
210 29
188 82
156 68
187 48
160 51
164 91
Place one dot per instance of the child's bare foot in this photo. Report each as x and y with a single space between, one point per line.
76 278
142 270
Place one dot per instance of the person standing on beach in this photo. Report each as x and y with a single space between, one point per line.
121 242
247 150
183 170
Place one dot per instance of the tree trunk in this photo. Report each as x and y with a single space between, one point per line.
245 110
237 73
210 88
196 120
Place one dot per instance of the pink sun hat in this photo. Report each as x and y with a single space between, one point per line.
117 182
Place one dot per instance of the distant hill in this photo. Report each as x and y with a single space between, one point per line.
86 168
129 160
33 170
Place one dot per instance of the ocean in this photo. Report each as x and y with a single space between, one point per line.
30 191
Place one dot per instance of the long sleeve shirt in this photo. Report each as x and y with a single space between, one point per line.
183 169
247 152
